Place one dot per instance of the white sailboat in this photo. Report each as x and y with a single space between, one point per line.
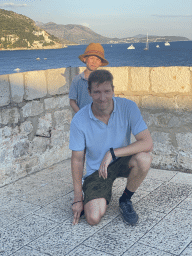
157 46
147 44
131 47
167 43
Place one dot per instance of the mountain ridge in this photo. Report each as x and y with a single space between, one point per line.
80 34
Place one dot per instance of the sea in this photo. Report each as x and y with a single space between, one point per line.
177 54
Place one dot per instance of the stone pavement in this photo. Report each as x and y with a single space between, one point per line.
36 217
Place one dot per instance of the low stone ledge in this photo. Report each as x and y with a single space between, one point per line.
35 85
4 91
120 77
170 79
140 79
58 81
17 87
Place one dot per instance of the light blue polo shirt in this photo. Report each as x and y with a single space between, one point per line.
88 132
79 91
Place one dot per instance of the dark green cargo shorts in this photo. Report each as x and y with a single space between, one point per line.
95 187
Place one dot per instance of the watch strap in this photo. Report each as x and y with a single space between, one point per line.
113 154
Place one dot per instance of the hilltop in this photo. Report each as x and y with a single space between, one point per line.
18 31
74 33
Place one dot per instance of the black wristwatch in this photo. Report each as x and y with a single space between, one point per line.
113 154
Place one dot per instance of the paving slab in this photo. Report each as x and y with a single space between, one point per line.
143 250
36 217
172 234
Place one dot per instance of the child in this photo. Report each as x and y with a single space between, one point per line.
93 57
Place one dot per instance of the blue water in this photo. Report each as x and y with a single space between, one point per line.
177 54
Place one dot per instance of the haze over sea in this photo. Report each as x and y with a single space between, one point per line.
177 54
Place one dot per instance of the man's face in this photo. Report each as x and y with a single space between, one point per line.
92 62
102 95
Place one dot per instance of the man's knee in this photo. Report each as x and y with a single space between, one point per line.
93 219
94 212
142 161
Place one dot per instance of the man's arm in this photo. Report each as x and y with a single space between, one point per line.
143 143
74 106
77 165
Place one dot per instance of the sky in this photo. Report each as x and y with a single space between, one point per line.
114 18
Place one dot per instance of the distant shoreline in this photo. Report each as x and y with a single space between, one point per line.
53 48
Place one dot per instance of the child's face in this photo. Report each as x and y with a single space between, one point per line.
92 62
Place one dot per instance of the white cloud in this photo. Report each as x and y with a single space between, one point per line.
172 16
12 5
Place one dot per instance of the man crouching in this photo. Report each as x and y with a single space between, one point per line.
103 129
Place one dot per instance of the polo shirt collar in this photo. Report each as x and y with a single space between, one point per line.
91 115
82 75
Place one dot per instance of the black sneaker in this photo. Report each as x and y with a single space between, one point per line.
128 213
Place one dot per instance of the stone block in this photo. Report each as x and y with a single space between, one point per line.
58 81
184 141
163 120
39 145
7 132
184 160
10 116
164 154
175 122
4 90
170 79
32 108
62 117
20 149
44 125
17 87
161 143
57 138
26 128
158 102
35 85
164 161
131 97
140 79
186 118
184 102
120 77
148 117
58 102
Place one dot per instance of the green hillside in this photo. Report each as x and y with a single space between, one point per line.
17 30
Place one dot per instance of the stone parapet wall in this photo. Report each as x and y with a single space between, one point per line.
35 116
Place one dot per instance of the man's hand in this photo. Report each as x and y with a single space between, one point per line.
77 209
104 165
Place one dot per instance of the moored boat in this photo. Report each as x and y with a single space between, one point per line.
167 43
131 47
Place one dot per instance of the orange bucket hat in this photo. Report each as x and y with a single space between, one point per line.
94 49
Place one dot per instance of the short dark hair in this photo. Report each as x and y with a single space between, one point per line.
99 77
